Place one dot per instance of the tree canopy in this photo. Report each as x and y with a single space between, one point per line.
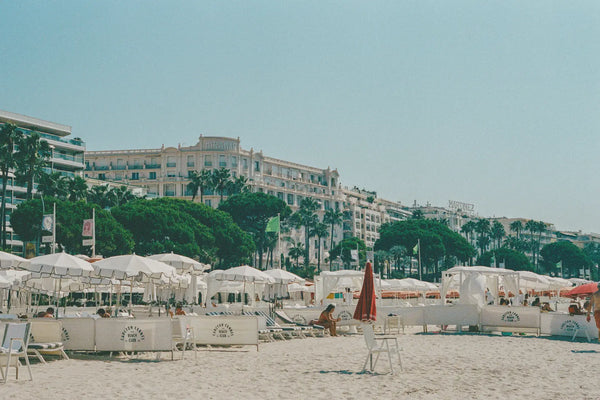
572 257
252 211
191 229
512 259
437 241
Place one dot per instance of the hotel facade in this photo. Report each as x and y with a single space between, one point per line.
165 172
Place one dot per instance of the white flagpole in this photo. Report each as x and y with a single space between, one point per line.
419 248
94 233
279 241
54 232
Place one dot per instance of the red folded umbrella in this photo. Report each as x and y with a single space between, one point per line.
583 290
366 309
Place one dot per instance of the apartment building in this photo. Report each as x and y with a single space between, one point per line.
364 213
67 157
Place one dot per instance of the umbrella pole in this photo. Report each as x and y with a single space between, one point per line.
131 298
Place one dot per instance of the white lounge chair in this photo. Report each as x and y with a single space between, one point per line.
15 339
46 338
377 344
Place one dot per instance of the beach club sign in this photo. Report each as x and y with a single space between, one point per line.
223 330
139 335
510 317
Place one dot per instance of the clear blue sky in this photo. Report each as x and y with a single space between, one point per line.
492 103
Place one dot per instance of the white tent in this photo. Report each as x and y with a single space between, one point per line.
250 280
472 283
337 281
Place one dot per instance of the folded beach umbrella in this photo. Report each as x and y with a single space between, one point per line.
366 309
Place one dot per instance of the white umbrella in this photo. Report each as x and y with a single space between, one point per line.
57 265
242 273
8 260
4 283
182 263
285 277
132 266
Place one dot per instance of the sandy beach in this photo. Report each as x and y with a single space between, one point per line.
449 366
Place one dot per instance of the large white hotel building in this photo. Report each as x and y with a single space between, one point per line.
165 172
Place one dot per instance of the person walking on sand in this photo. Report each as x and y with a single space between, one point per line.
595 307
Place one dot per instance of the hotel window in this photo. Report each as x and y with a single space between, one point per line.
135 176
171 161
102 177
234 162
152 175
208 202
256 166
290 199
222 162
208 161
245 163
190 161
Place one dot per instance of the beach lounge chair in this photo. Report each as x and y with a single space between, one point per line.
312 330
14 343
46 338
265 332
289 331
377 344
393 322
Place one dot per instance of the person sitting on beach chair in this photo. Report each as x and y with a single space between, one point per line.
179 310
327 321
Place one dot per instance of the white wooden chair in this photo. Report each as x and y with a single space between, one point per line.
377 344
183 335
14 345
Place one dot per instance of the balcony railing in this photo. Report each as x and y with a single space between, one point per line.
101 167
171 165
120 167
152 166
136 167
190 164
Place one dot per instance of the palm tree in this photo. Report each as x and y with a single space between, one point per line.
498 233
482 227
541 228
194 183
32 157
532 227
296 251
397 252
332 218
119 196
468 228
306 217
516 226
320 231
9 136
205 181
98 195
54 185
237 185
220 177
77 189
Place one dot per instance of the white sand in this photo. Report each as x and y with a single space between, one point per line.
436 366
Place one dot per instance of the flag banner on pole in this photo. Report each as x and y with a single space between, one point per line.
354 255
88 227
48 222
273 225
416 248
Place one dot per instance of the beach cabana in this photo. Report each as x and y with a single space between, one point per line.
472 283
